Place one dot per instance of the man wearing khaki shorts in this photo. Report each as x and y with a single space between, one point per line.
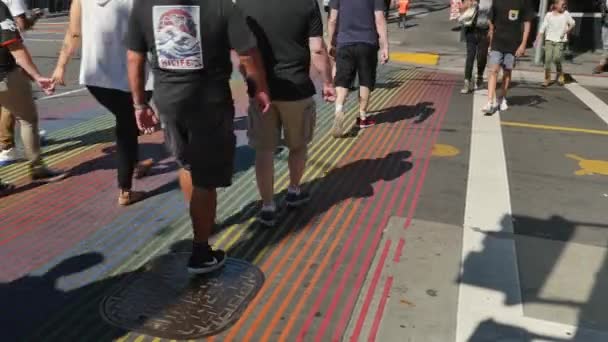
288 47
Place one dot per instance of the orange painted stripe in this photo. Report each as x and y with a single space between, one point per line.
322 265
235 329
342 229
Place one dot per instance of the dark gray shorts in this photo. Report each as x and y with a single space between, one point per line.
201 137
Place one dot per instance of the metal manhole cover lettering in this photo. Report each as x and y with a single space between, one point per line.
163 300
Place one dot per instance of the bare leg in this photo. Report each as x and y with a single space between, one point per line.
506 82
264 173
364 94
493 75
203 204
297 164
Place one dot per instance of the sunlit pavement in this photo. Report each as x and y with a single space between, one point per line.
438 224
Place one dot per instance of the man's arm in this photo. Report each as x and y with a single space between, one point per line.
320 58
24 23
24 59
136 68
252 68
71 42
382 35
331 27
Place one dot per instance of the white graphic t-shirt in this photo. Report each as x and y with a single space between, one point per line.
177 37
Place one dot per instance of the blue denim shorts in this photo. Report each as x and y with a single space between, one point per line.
506 60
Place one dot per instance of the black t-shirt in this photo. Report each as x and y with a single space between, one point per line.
190 43
9 34
283 29
508 17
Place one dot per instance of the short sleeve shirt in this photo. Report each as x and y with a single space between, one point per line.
357 21
189 42
508 17
283 29
17 7
9 34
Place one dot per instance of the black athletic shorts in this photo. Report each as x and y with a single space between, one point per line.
356 59
200 134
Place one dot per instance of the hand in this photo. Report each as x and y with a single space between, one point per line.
329 92
332 52
46 84
147 122
59 76
262 99
384 56
521 51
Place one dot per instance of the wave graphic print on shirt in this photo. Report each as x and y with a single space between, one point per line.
177 37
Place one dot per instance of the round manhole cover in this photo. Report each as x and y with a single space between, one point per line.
163 300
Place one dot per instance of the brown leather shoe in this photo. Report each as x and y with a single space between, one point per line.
128 197
142 169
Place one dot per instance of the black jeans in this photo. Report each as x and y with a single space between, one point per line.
120 104
477 47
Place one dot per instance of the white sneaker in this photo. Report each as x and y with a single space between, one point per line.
8 156
503 104
489 108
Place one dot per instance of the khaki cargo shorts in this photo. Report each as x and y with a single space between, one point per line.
296 119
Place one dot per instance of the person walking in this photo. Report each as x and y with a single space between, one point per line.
16 71
190 43
100 26
287 48
8 152
476 32
404 6
510 22
602 6
361 34
556 27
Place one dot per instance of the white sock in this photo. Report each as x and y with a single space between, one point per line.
339 108
269 207
293 190
362 115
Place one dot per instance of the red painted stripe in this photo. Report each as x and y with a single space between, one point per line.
370 293
399 250
329 280
358 284
378 318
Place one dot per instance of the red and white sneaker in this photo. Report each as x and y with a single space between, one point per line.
365 123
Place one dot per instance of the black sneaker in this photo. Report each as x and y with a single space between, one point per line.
6 188
205 260
267 217
295 200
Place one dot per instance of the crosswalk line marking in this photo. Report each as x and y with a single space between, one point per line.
599 107
489 285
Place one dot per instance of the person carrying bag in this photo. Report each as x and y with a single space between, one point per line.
475 23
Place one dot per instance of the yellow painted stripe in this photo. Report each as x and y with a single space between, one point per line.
554 128
415 58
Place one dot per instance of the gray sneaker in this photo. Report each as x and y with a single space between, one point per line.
337 131
466 89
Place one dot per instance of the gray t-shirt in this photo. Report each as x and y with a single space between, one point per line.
357 23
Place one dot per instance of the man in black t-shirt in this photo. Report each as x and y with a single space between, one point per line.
507 41
359 34
190 43
287 47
